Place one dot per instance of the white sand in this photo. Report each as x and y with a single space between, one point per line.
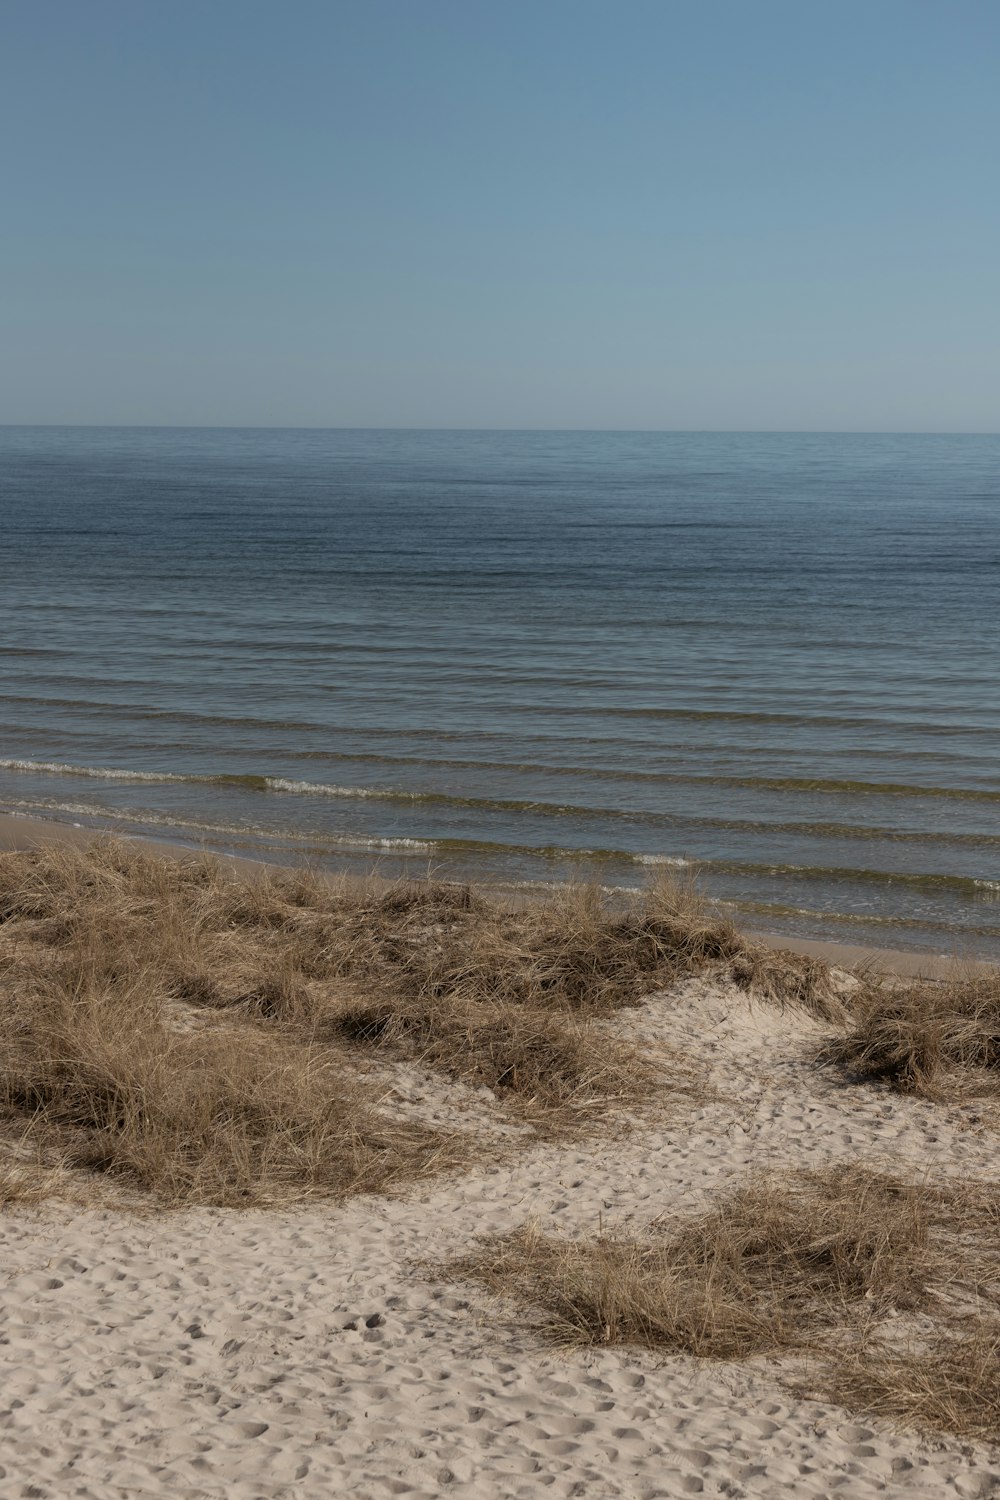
304 1354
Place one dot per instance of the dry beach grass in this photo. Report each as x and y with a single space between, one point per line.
936 1040
201 1034
890 1288
189 1035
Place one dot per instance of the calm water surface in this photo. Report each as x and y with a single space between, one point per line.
524 657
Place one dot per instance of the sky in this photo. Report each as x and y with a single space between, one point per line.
723 214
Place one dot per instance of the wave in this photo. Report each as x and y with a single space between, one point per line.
681 714
760 716
867 832
564 854
977 890
247 835
264 783
102 773
327 843
679 752
818 917
661 859
974 887
325 789
251 782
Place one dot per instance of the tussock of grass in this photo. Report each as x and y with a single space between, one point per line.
210 1115
214 929
826 1264
759 1274
929 1039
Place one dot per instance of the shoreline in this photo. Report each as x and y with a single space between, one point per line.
18 833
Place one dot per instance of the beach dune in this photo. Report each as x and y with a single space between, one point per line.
330 1347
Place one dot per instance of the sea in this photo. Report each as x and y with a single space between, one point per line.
768 663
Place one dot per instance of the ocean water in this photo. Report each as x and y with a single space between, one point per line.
524 657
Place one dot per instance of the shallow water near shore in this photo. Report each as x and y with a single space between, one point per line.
524 657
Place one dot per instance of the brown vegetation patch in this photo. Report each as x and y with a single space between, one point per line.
948 1381
107 1082
760 1273
830 1265
201 1032
936 1040
576 951
28 1183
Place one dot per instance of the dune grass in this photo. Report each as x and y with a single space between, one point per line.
192 1033
831 1267
948 1382
109 1079
934 1040
29 1182
205 1034
773 1264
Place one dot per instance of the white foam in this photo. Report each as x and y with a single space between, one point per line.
100 773
415 846
316 788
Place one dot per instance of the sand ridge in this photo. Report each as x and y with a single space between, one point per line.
315 1352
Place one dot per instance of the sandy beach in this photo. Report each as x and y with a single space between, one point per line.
307 1351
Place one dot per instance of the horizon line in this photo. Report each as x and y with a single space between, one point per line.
383 427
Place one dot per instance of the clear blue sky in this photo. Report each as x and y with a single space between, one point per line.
503 213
